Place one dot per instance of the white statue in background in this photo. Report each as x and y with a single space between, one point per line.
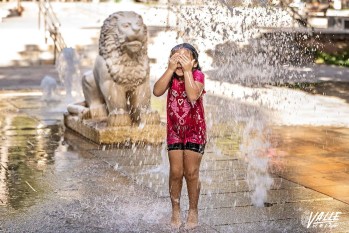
118 88
68 68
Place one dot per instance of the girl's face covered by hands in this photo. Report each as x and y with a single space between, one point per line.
185 61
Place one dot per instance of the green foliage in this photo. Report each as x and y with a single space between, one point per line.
341 59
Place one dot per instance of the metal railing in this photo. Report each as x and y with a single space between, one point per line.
51 26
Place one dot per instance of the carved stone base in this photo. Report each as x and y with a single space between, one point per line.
99 132
151 118
118 120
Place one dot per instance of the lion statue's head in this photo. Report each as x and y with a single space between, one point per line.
123 32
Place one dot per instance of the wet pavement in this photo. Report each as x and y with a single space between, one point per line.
52 180
316 158
47 185
55 181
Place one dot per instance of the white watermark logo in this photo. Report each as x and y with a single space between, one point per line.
321 219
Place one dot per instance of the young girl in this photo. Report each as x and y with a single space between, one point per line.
186 127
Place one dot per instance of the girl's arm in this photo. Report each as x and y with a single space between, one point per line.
192 88
162 84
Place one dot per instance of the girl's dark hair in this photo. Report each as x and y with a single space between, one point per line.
191 49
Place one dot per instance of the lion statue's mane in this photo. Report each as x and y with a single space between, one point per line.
111 45
118 87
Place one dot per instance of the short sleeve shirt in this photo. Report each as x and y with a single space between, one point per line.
185 119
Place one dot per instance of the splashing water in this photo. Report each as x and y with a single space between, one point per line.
218 22
163 168
236 46
254 147
234 49
49 88
68 68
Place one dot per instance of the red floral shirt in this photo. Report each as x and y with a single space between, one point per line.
185 119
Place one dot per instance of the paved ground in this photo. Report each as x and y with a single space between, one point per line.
52 180
56 181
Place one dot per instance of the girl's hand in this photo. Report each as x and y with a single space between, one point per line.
172 64
187 64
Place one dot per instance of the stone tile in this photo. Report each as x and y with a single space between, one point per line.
212 154
45 115
280 225
295 195
294 170
238 199
73 155
281 183
132 160
248 214
148 176
201 228
342 227
227 186
226 200
222 175
156 178
130 157
224 187
127 151
230 164
28 102
342 177
160 189
223 195
341 157
322 205
344 199
331 167
222 216
142 170
336 191
311 181
81 145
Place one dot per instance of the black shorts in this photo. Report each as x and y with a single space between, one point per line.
199 148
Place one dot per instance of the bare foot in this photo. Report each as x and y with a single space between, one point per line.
176 219
192 220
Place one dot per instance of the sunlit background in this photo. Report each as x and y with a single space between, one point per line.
277 110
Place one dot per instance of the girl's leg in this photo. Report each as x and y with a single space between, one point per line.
192 162
175 185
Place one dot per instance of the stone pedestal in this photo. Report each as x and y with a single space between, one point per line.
98 131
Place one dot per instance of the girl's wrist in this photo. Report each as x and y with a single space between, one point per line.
187 69
171 70
187 72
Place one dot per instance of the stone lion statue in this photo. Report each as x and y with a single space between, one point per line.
118 87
